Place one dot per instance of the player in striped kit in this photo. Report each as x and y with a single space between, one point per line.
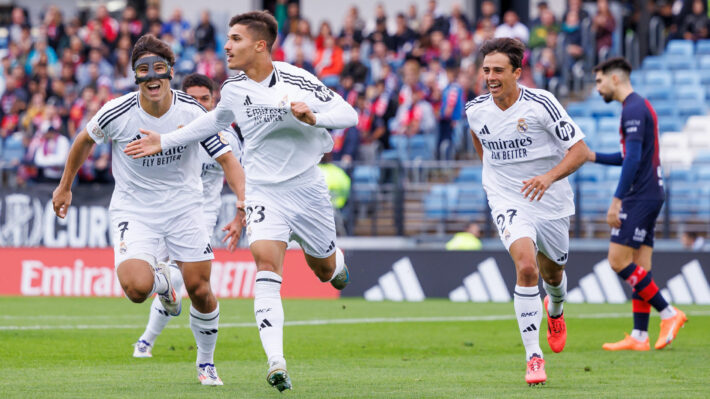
200 87
283 112
528 145
157 199
635 206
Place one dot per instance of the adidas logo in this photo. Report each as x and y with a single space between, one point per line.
400 284
562 258
209 332
690 286
162 312
208 250
484 285
264 323
247 101
602 285
530 328
484 130
331 246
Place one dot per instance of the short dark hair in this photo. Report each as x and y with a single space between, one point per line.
513 48
151 44
261 24
612 64
197 79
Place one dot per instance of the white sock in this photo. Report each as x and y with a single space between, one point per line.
269 314
639 335
339 263
160 284
528 311
157 320
176 278
557 296
667 313
204 327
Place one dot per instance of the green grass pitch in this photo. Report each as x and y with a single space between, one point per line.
347 348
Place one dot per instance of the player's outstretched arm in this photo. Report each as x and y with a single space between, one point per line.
204 126
576 156
79 151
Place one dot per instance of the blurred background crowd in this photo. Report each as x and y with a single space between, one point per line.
412 80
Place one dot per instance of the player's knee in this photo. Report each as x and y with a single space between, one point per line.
263 266
527 270
136 293
197 288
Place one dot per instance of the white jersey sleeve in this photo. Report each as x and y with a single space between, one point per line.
555 118
203 127
102 127
331 111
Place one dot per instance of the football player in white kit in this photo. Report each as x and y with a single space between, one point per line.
156 199
283 112
528 145
201 88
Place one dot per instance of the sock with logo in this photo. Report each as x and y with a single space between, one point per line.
269 314
160 284
642 282
339 263
205 327
642 310
159 318
528 311
557 296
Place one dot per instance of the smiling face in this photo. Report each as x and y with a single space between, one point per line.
241 47
154 89
500 76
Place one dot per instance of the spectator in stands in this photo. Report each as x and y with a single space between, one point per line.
457 21
451 113
380 33
205 33
301 38
378 60
152 16
542 7
349 34
355 68
346 142
18 24
383 109
488 12
404 37
467 240
573 39
603 25
693 241
575 6
50 154
14 99
41 51
546 68
540 31
325 31
293 16
134 25
54 29
417 117
178 27
512 27
301 62
103 23
329 62
123 79
485 31
696 24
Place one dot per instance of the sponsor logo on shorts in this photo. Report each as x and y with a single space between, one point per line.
639 234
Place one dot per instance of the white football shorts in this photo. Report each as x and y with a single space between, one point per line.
551 237
299 212
183 235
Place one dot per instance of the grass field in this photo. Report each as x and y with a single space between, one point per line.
81 348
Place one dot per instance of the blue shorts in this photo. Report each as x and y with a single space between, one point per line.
638 223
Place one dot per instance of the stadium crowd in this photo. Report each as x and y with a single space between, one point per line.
410 81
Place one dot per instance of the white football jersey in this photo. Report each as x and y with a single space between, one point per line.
169 180
277 146
526 140
212 172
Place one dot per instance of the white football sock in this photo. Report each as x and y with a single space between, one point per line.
269 313
667 313
157 320
204 327
528 311
160 284
639 335
339 263
557 296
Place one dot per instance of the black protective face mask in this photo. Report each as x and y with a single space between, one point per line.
149 61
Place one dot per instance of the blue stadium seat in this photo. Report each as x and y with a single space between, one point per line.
609 141
608 124
702 173
678 175
13 151
687 108
590 173
654 63
659 78
676 62
602 110
577 109
421 147
469 174
657 93
704 62
669 124
683 199
441 200
695 93
689 77
613 173
702 47
594 198
664 108
680 47
398 141
636 78
365 181
704 75
702 157
471 200
587 124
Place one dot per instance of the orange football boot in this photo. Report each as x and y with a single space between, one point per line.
556 330
629 343
536 371
669 328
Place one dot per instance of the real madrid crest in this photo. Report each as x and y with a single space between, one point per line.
522 125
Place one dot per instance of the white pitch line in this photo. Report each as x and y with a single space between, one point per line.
321 322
